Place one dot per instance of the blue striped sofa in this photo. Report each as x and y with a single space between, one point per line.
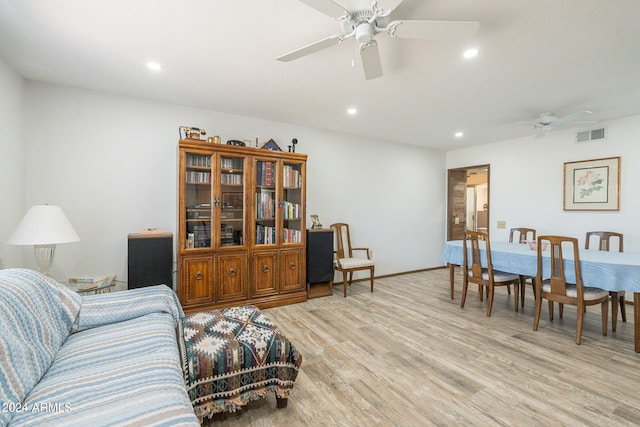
109 359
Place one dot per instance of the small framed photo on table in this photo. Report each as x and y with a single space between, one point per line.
592 185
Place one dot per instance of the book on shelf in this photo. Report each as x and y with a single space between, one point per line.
265 235
198 161
231 179
291 236
291 210
265 204
292 178
232 163
198 177
264 172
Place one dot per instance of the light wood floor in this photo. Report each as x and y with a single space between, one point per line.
408 355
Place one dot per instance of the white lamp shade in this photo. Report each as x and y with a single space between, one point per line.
43 225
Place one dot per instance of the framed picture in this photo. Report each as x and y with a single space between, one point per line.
271 145
592 185
231 201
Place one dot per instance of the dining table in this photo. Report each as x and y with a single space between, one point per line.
612 271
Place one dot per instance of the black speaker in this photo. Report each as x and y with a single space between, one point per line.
319 255
150 260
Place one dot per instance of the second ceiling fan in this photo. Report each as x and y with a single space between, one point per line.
364 24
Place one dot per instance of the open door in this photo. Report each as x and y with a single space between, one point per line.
467 200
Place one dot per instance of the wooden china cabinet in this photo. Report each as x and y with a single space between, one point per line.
241 226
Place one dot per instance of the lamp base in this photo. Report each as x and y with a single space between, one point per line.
44 257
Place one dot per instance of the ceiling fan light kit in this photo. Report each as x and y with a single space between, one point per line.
364 25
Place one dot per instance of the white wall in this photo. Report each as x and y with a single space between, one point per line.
12 176
110 162
527 181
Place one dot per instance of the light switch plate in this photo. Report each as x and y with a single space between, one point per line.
502 224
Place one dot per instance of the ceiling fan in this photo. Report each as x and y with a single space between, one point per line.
547 121
364 24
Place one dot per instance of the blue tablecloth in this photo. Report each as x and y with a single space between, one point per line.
613 271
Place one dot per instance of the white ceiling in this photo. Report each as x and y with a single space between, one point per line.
535 56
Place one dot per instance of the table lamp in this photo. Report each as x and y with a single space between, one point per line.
44 226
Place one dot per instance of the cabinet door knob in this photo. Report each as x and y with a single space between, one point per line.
198 275
265 268
292 266
232 272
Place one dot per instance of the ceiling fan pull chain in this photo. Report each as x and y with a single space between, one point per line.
353 53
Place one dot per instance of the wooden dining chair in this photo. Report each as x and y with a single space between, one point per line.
483 274
552 285
345 261
604 239
524 234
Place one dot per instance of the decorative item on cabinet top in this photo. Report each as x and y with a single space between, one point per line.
316 222
191 132
271 145
292 147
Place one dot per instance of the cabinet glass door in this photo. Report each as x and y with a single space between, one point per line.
231 201
292 202
265 200
198 201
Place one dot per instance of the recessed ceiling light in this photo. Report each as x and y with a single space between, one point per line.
470 53
154 66
351 111
459 134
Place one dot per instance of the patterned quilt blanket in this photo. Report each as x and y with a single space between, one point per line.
233 356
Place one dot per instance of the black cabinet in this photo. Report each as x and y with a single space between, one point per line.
319 262
150 259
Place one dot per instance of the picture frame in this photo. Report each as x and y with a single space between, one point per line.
316 222
271 145
232 201
592 185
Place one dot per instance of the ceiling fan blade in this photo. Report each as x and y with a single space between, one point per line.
389 5
575 124
371 60
432 30
311 48
575 115
328 7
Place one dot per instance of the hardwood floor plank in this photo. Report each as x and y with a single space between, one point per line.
408 355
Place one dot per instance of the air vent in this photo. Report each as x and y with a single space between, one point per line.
590 135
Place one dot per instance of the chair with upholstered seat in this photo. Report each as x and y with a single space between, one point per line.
552 284
604 239
483 274
524 234
345 261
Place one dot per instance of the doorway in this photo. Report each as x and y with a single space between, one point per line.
467 200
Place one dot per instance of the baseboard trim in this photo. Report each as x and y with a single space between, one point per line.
366 279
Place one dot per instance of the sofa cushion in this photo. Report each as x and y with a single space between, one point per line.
126 373
36 314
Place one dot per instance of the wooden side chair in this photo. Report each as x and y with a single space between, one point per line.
552 285
524 234
604 239
345 261
485 276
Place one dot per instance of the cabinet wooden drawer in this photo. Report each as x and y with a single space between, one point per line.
196 286
292 271
231 277
265 273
